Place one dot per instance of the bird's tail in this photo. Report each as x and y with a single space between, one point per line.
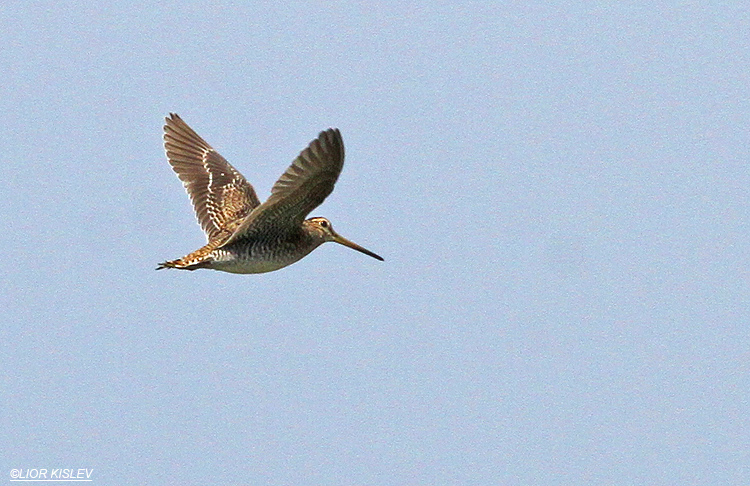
198 259
170 264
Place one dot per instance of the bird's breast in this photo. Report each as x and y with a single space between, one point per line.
248 256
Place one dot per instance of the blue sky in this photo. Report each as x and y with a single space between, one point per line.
559 190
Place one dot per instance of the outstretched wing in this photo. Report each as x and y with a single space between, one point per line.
302 188
220 194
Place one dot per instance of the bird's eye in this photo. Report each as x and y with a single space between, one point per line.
324 224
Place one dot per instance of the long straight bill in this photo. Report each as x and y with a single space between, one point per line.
343 241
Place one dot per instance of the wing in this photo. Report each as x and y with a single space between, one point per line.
302 188
220 194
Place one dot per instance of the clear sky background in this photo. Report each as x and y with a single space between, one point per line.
559 190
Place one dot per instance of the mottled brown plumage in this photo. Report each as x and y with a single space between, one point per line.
245 236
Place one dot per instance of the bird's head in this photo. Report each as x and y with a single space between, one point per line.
323 229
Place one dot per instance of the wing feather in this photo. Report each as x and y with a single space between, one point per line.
302 188
221 196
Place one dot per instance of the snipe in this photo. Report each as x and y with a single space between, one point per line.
245 236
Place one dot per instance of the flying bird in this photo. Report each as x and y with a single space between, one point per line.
245 236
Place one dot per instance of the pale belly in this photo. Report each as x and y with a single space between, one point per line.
249 266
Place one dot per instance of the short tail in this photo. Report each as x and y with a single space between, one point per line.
163 265
181 264
198 259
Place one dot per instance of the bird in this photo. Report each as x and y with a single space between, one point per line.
243 235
